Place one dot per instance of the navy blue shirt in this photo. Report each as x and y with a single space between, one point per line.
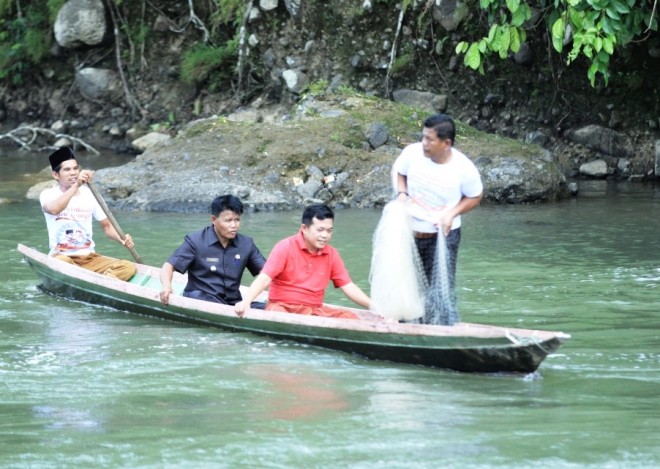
214 270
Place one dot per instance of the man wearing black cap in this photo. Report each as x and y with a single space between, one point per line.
69 208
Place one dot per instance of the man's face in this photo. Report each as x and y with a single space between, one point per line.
226 224
68 173
433 146
318 234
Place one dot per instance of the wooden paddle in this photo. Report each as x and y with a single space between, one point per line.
111 217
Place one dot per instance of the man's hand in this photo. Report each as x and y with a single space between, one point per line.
239 309
84 177
128 241
165 296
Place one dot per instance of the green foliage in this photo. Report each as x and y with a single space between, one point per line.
214 63
24 40
4 6
506 34
317 88
204 63
54 7
345 90
403 63
164 126
228 12
227 9
596 29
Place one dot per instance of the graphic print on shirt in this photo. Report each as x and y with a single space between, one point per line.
70 236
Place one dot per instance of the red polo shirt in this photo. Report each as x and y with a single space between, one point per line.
300 277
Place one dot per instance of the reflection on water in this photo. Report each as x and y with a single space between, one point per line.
93 387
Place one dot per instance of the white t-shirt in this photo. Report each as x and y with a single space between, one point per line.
434 187
70 231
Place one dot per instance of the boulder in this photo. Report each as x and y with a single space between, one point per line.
424 100
450 13
81 23
602 139
149 140
295 80
596 169
98 83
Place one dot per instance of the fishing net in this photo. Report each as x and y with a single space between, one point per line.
440 302
397 277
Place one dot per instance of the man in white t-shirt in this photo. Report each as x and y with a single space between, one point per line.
69 209
438 184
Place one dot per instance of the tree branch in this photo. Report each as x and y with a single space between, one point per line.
130 100
26 136
242 49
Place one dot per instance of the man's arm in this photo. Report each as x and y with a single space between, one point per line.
465 205
111 233
401 187
166 274
353 293
259 284
56 206
256 261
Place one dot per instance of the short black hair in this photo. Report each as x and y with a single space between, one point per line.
226 202
318 211
443 125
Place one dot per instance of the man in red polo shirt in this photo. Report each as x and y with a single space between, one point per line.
299 268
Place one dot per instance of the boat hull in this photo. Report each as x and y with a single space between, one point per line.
463 347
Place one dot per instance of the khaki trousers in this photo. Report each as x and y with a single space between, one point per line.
116 268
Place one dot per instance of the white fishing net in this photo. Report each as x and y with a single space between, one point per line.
397 277
440 301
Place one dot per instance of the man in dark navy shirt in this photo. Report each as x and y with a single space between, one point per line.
214 257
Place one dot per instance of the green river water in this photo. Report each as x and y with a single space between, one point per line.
88 386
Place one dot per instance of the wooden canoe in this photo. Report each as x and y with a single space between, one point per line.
461 347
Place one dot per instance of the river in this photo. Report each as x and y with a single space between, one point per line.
89 386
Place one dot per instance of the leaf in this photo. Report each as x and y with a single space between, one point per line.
483 46
576 17
473 57
608 45
598 44
461 47
612 13
513 5
518 17
514 40
620 6
558 35
491 33
505 40
591 73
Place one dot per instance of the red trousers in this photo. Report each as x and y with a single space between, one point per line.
326 311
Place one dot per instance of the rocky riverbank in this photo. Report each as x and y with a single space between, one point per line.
531 130
336 149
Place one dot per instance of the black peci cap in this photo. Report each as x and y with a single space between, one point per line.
60 155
